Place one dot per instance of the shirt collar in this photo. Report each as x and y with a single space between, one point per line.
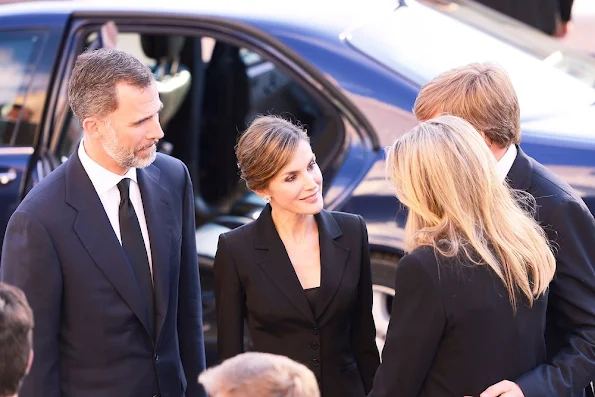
101 178
505 163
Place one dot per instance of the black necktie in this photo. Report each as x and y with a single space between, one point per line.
134 247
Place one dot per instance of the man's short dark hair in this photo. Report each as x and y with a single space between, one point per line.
16 325
92 85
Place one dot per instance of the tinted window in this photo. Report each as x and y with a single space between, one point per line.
18 117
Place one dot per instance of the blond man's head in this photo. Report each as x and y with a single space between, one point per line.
482 94
259 375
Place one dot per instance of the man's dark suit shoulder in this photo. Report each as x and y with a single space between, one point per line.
547 185
41 200
172 168
52 186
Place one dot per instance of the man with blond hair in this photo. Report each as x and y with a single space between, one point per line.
259 375
483 94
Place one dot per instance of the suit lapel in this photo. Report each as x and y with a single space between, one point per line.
93 228
158 217
519 176
333 259
276 264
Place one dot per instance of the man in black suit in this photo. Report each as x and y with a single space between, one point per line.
104 248
483 95
552 17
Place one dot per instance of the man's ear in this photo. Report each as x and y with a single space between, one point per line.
262 193
93 126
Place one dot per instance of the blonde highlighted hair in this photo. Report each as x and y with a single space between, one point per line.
446 176
482 94
255 374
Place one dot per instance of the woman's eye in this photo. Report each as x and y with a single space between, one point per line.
290 179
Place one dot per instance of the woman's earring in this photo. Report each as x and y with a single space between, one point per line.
267 199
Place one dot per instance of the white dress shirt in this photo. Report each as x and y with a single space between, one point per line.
106 185
505 163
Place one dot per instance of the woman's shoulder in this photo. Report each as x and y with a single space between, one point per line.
434 264
240 233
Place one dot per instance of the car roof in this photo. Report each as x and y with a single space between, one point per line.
334 16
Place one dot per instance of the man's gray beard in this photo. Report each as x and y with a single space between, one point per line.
123 157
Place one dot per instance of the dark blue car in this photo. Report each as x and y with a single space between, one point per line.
348 71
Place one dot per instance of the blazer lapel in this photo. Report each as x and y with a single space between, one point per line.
99 239
519 176
158 217
333 259
276 264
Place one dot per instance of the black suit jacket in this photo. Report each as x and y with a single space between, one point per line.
255 281
541 14
570 333
452 331
91 336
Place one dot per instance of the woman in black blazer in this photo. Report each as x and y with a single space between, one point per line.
299 275
471 296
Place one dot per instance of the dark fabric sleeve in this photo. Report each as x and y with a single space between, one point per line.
230 301
571 306
566 10
30 262
190 327
415 330
363 331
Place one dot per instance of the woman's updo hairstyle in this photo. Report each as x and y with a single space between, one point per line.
265 148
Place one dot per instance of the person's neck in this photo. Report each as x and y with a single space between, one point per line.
498 151
293 226
96 153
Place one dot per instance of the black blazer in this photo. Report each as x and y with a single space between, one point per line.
452 331
255 281
92 337
570 333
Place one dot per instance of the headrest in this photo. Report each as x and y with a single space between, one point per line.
162 46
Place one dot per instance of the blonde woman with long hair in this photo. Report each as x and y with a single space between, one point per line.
471 295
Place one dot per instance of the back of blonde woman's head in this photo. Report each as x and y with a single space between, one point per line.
445 174
255 374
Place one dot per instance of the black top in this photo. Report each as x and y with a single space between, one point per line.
255 282
453 332
312 296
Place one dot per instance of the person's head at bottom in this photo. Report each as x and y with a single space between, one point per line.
16 327
259 375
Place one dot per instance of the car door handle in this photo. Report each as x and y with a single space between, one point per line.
7 176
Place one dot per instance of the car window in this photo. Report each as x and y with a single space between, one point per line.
19 115
545 84
241 84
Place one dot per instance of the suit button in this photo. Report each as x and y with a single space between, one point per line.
315 331
316 362
156 357
314 345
